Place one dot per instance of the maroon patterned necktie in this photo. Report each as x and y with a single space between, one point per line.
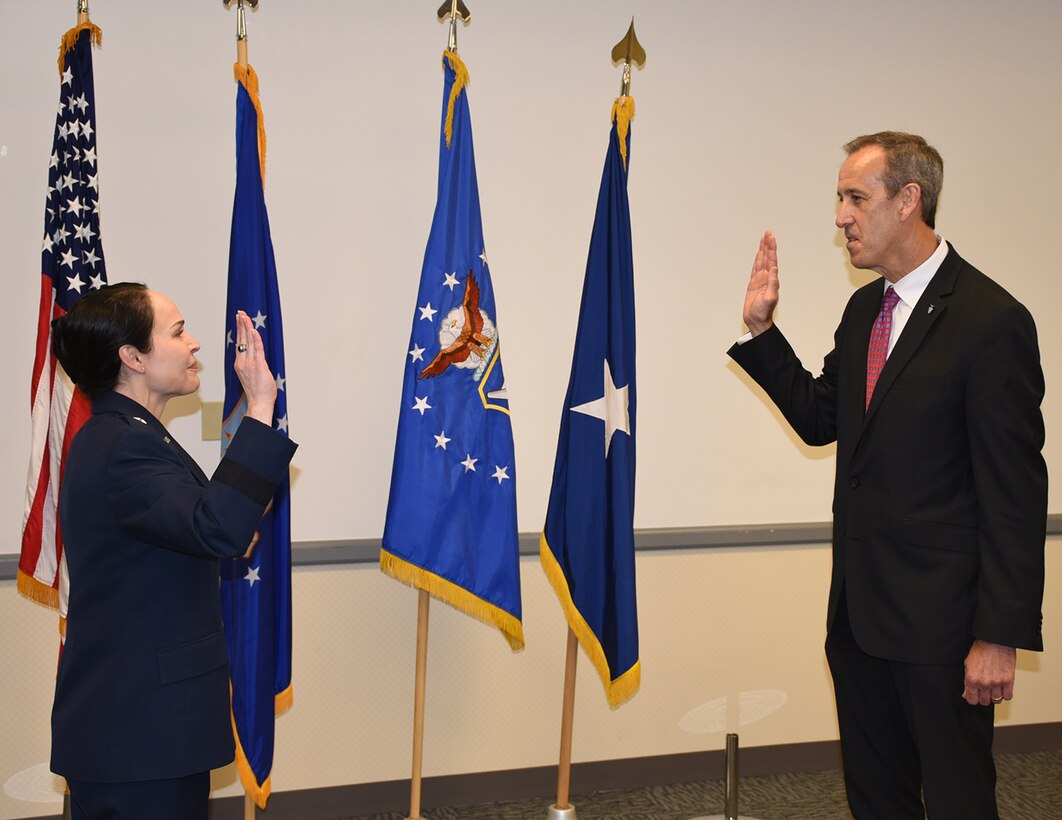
878 351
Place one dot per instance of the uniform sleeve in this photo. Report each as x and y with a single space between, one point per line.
1006 431
155 497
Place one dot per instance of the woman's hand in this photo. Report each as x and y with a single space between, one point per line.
253 372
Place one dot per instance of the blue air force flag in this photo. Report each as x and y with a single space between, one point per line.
587 546
256 590
451 514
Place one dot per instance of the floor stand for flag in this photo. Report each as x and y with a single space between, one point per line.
562 809
423 599
730 806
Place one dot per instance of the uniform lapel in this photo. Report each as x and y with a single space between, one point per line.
119 403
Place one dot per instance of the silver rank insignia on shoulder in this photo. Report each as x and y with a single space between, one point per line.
137 418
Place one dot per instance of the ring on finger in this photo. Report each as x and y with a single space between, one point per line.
241 347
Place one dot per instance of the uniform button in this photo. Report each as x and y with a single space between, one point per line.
853 483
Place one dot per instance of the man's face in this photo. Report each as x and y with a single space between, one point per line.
869 217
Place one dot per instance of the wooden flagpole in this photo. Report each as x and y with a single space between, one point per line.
250 810
628 50
450 10
423 602
564 769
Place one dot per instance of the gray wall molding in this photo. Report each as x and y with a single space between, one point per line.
733 536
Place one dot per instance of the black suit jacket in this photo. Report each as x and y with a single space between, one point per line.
142 691
940 495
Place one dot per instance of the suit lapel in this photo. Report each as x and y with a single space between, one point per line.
931 306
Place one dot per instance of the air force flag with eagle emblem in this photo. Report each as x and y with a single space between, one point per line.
451 514
587 546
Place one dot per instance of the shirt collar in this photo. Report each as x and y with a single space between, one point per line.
914 284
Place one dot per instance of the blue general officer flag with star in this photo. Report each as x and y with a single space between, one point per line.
451 513
256 590
587 545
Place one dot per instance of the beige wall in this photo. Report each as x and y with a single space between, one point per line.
731 640
742 108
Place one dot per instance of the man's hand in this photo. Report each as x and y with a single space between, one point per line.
762 295
989 673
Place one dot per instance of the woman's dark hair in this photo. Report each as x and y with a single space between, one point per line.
86 340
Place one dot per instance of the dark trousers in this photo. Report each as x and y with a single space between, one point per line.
179 798
907 736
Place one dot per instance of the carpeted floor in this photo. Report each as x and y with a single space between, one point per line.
1030 788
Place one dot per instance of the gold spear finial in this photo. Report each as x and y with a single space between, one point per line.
82 12
628 50
454 9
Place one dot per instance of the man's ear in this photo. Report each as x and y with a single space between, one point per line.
910 201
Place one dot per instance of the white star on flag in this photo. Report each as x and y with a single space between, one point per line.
501 473
281 382
427 312
421 405
611 408
252 575
259 320
469 462
451 280
416 354
282 423
441 439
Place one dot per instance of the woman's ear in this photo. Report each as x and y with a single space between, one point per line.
130 357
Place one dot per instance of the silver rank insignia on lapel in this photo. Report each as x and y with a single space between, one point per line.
166 439
930 310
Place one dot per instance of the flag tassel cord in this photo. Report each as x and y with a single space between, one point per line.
70 38
617 690
622 114
454 595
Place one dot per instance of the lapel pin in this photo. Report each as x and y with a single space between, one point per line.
166 439
930 309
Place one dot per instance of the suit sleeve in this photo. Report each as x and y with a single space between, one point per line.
1006 430
808 403
155 497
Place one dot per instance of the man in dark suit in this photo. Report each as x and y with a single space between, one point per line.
932 393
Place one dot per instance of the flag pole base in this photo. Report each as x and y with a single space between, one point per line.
553 813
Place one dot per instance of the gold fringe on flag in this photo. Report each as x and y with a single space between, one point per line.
460 81
622 114
454 595
259 794
37 591
249 80
626 685
70 40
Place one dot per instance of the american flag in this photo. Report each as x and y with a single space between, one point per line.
71 265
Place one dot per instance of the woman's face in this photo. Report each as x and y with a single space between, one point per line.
170 369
